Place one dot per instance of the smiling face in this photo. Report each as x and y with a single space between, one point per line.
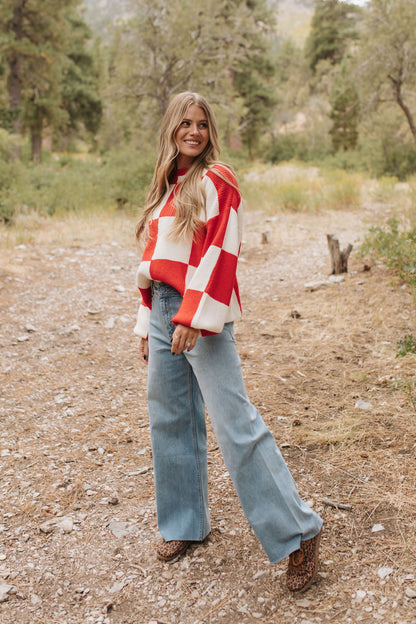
192 136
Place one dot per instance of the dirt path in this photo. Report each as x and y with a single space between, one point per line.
77 522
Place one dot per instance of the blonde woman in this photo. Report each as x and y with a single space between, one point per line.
190 231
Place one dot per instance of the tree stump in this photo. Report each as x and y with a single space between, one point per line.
339 259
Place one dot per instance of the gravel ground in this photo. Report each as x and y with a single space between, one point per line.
77 520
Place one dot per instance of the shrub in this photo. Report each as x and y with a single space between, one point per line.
397 248
406 345
342 190
70 184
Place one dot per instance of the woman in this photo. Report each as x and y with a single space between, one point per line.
191 233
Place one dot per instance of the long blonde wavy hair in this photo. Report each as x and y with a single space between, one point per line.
190 198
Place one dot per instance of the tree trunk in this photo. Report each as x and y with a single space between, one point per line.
397 87
36 140
339 259
14 82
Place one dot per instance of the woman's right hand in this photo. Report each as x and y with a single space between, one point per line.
144 350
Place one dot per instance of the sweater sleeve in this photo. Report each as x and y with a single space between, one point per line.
211 297
143 314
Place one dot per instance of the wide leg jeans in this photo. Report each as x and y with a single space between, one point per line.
179 388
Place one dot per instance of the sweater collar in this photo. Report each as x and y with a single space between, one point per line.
179 175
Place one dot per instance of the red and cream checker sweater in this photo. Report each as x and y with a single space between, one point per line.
203 270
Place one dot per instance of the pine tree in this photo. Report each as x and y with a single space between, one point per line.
36 37
333 28
345 111
254 72
80 80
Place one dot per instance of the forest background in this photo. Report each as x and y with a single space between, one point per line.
84 84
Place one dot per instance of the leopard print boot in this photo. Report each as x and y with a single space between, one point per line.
303 565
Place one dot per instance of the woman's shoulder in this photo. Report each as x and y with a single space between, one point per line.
220 171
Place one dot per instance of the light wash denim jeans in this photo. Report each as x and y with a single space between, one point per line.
179 388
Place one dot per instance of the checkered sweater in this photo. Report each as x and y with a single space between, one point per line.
203 270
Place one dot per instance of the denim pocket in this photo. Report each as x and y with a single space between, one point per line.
171 307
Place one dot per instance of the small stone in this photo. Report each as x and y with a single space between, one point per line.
122 529
377 527
22 338
364 405
66 524
3 557
360 594
313 286
117 587
303 602
120 288
110 323
4 591
168 576
46 527
336 279
410 593
384 572
113 500
30 328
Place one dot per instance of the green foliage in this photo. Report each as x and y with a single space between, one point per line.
396 247
311 145
387 57
224 53
348 161
293 187
345 110
408 386
333 28
80 79
252 85
288 147
406 345
399 160
73 184
385 147
48 68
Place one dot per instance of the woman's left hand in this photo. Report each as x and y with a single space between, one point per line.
184 338
144 350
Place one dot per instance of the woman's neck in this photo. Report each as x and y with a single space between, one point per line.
184 162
